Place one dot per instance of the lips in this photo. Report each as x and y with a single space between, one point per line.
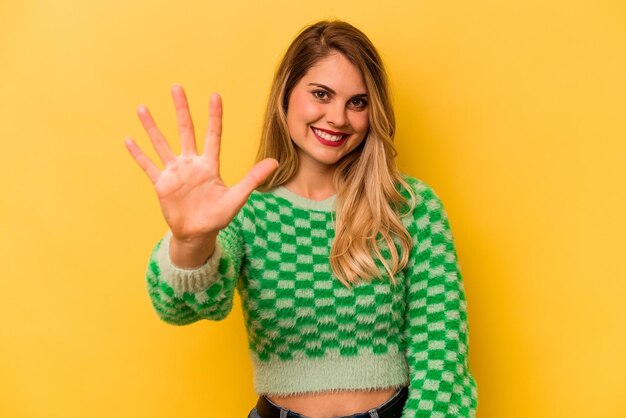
327 137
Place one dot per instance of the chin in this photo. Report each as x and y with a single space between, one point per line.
330 160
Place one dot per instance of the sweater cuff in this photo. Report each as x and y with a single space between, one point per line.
184 280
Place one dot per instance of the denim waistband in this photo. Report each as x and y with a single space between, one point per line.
391 408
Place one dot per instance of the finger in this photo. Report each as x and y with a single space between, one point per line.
144 162
214 131
158 140
255 177
185 124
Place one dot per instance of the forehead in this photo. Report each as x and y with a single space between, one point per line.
338 73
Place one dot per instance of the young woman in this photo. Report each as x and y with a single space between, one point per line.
352 295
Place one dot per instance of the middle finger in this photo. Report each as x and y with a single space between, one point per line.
185 124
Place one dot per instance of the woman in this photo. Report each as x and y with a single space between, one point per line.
352 295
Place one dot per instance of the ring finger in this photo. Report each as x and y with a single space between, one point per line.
158 140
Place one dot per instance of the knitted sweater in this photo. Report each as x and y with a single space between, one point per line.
306 331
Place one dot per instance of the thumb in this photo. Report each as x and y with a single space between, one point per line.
255 177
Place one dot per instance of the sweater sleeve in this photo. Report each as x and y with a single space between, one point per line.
181 296
436 330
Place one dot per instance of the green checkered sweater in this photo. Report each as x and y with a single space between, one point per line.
306 331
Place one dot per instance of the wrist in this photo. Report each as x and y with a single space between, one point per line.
191 252
195 242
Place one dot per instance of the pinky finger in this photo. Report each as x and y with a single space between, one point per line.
144 162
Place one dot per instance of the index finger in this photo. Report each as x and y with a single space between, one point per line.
213 137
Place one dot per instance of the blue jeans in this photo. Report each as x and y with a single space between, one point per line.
372 413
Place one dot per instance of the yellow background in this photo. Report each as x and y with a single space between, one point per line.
513 111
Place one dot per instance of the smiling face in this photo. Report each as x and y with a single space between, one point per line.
328 112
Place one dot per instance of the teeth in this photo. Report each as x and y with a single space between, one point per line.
327 136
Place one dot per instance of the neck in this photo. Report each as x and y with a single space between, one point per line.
314 183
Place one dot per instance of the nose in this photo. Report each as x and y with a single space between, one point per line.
336 115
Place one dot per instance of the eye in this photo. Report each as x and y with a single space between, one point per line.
358 103
320 94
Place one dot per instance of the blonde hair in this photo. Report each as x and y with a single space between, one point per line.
366 180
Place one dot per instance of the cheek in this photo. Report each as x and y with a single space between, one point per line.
360 122
301 109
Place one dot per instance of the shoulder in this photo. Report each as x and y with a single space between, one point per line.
425 196
429 216
265 205
266 201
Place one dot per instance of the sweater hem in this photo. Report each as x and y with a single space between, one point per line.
365 371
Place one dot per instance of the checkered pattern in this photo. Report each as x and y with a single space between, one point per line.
436 318
299 316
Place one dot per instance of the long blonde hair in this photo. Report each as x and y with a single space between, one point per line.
367 179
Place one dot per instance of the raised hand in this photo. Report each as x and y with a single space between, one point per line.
194 200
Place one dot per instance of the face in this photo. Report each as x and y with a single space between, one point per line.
328 112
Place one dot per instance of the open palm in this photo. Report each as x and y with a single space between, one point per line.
194 200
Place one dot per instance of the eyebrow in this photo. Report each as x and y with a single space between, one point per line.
334 92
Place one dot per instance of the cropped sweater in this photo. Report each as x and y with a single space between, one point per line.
306 331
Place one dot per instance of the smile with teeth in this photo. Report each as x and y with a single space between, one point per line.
327 136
